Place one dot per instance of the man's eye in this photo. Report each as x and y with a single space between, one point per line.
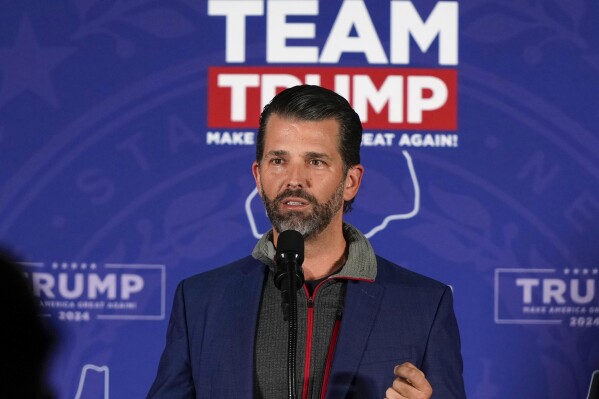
276 161
317 162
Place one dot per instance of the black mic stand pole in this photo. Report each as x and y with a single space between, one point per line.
292 334
289 277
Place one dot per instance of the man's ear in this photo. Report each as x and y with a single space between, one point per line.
353 179
256 173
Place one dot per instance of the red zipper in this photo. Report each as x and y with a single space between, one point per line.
309 327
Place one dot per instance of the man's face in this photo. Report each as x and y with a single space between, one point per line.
301 178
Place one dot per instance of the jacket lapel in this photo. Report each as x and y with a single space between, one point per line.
236 333
362 301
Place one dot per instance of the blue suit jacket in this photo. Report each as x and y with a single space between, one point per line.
400 317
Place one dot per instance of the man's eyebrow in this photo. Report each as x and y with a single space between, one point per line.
277 153
311 154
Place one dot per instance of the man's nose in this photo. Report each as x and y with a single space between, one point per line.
297 177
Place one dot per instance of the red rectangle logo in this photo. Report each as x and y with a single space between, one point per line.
385 98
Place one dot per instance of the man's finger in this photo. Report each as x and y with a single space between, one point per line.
405 389
414 377
391 393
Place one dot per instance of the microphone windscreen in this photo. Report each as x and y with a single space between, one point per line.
291 241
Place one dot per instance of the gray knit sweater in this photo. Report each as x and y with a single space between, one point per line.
317 316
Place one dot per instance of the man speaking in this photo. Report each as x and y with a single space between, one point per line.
366 328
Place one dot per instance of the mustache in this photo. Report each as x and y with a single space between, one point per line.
299 193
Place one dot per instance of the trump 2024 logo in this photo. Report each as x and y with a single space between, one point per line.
547 296
82 291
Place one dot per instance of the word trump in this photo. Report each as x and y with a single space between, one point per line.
385 98
557 291
90 285
352 31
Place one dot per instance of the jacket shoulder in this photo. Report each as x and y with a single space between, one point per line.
389 273
222 276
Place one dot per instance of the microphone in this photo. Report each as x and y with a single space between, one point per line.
289 258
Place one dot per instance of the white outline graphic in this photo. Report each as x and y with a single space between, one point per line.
99 369
519 321
595 382
373 231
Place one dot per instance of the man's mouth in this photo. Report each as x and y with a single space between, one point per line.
294 202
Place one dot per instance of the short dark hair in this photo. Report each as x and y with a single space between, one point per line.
315 103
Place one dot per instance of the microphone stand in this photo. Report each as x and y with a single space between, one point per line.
289 277
292 327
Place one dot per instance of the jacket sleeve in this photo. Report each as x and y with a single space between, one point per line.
174 377
442 363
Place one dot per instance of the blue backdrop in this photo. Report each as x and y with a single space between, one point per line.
126 139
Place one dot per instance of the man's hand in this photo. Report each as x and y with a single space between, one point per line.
409 384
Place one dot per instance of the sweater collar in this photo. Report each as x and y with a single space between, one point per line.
360 263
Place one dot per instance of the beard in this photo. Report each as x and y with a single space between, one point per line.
308 224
